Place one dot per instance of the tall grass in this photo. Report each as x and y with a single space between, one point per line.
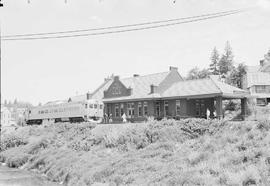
167 152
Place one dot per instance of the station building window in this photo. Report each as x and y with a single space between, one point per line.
200 108
178 107
140 110
109 109
145 109
203 109
116 110
166 108
158 108
122 109
130 108
261 101
197 107
262 89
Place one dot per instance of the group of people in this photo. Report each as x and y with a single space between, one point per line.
108 118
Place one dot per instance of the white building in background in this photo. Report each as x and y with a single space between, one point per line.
6 118
257 82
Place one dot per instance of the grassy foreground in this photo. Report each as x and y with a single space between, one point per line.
186 152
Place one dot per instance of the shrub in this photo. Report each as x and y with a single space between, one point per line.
14 157
167 152
11 141
231 105
264 125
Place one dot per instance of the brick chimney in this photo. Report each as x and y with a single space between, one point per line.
261 62
153 89
116 78
173 68
88 95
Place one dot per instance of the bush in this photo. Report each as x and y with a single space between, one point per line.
231 106
14 157
11 141
167 152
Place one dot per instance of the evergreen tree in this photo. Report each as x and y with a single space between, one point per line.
214 62
267 56
226 62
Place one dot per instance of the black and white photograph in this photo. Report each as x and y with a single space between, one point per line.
135 92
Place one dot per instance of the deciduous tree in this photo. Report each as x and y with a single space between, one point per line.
236 75
196 73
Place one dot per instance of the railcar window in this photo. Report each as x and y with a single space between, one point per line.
86 106
95 106
91 105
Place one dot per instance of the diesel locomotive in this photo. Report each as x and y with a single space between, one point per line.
80 111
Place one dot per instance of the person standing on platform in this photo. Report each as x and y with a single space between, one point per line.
124 118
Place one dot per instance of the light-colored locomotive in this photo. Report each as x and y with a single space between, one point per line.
79 111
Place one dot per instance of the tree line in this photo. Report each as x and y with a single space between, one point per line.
222 65
17 104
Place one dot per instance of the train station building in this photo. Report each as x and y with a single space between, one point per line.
165 95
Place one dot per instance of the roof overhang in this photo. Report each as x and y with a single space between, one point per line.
129 99
235 95
260 95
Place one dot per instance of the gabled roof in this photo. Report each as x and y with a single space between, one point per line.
140 86
251 69
203 87
265 67
55 102
257 78
78 98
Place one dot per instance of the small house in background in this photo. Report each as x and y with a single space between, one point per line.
257 82
165 95
6 117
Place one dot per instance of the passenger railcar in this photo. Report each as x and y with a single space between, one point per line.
88 110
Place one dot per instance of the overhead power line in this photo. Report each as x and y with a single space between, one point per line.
119 26
109 31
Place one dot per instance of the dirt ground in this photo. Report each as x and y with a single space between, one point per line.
18 177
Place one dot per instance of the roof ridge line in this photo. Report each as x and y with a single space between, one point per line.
187 80
102 85
144 75
216 84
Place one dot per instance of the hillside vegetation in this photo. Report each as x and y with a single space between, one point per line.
168 152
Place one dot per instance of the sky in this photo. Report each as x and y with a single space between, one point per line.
39 71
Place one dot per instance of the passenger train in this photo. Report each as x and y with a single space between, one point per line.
79 111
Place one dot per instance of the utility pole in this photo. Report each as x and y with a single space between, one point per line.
0 91
1 5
